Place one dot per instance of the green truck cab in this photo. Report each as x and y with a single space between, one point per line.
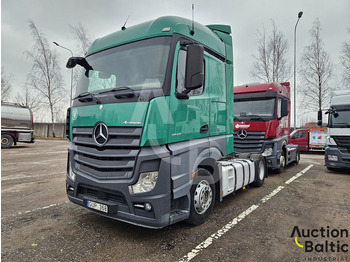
151 127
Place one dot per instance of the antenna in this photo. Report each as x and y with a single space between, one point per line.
123 27
192 31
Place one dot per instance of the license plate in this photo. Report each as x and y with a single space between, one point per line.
97 206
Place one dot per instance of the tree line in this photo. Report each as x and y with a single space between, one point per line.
44 88
316 68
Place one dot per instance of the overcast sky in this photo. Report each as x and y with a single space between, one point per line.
105 16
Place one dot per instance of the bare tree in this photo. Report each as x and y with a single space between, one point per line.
28 99
5 85
45 76
345 60
80 34
316 72
271 64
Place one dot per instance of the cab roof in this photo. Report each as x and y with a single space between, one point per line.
165 26
281 88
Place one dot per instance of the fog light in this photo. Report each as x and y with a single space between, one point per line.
148 207
332 158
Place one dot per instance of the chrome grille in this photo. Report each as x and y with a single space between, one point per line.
251 144
342 141
115 160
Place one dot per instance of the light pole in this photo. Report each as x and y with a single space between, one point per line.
295 66
71 77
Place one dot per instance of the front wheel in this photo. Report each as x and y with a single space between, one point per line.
260 171
202 197
280 170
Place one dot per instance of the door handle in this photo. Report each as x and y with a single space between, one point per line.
204 129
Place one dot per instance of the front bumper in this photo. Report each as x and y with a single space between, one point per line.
342 155
114 192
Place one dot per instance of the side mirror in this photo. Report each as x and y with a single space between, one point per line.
194 77
319 118
284 107
73 61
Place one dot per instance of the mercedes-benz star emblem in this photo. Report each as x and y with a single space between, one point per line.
100 134
242 133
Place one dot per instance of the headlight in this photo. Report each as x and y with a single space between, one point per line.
330 142
267 152
71 174
332 158
147 182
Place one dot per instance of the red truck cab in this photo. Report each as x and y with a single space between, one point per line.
262 123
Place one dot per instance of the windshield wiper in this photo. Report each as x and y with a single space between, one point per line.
340 125
123 91
256 117
87 97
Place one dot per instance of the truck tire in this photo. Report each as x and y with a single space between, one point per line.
202 197
280 170
260 171
6 141
298 157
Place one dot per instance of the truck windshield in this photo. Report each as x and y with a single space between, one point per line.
258 109
342 119
137 66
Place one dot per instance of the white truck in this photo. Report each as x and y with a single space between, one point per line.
337 153
16 124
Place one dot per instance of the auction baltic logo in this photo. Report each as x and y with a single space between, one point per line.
322 240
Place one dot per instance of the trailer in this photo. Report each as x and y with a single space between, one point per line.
16 124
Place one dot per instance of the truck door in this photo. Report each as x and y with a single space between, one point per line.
217 92
189 117
300 138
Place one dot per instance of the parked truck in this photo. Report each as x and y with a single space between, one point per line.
262 123
151 128
337 153
16 124
309 139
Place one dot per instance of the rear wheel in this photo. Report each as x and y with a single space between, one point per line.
6 141
202 197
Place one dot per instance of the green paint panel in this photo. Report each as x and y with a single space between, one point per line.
155 131
121 114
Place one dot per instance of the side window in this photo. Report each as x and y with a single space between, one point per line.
180 75
300 134
279 108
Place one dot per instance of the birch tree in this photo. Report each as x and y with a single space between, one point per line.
271 64
5 85
45 76
345 60
316 72
83 41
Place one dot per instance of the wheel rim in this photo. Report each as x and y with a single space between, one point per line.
5 141
203 196
261 170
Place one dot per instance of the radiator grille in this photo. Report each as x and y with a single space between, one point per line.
253 142
115 160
